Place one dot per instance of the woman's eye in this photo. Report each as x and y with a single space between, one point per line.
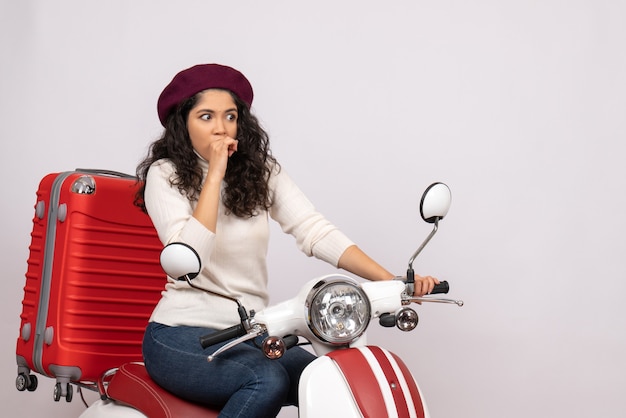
231 117
206 116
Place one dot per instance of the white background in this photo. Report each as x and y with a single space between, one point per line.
520 106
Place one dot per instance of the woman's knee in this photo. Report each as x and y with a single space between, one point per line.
263 392
274 378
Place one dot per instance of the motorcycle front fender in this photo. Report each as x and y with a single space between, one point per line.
360 382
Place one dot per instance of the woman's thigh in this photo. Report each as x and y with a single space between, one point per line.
176 360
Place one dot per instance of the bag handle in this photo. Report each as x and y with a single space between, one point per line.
104 172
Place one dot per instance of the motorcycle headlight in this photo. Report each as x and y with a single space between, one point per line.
338 311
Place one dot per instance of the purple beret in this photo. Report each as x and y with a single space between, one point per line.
199 78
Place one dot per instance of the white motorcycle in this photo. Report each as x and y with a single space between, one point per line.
349 378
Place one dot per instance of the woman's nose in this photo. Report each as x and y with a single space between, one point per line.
219 126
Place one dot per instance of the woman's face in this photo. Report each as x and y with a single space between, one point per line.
213 117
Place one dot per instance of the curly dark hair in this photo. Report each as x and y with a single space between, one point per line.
246 187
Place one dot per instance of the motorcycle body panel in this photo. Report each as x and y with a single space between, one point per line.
110 409
360 382
323 391
290 317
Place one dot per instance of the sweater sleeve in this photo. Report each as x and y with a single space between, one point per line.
171 212
314 234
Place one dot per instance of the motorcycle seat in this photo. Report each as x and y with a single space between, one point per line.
131 385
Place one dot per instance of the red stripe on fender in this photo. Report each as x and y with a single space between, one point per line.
362 381
415 393
392 380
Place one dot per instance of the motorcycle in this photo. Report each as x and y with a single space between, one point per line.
349 378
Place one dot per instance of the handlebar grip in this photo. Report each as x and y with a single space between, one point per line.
442 287
223 335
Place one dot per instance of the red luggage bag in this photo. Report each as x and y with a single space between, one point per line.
92 281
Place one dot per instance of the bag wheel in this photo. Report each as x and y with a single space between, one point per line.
70 393
26 382
58 392
33 382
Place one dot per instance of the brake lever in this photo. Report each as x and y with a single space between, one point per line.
434 300
253 332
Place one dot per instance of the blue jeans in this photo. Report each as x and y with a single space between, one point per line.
241 381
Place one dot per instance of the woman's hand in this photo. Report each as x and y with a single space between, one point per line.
424 285
217 154
219 151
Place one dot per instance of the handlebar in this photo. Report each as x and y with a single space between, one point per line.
223 335
442 287
239 330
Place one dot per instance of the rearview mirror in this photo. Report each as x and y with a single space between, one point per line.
180 261
435 202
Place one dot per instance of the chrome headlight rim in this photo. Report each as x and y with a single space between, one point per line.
322 287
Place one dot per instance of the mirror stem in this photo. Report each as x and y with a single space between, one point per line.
419 250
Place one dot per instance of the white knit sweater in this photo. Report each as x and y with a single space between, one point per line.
233 258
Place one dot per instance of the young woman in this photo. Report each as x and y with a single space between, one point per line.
211 181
